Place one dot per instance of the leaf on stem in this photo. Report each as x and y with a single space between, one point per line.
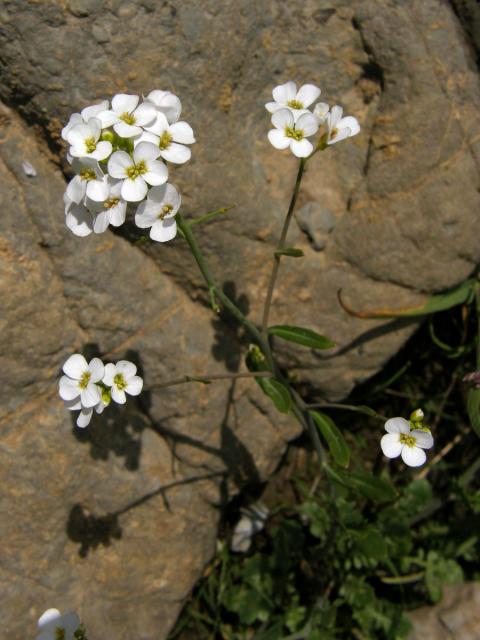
473 408
211 214
439 302
277 392
292 252
333 437
367 485
300 335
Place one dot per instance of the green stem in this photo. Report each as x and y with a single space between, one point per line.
281 245
189 236
210 378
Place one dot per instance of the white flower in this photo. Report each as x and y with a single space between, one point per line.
136 173
28 169
401 440
86 413
288 133
340 128
321 111
126 117
53 626
79 381
286 95
112 210
158 212
167 103
77 217
84 139
170 139
84 116
251 522
88 181
121 377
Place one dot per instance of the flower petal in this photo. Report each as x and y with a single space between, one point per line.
134 190
145 151
102 151
79 220
83 419
301 148
124 103
145 114
125 130
97 190
182 132
285 92
273 106
68 389
283 118
109 373
334 116
424 439
71 622
127 368
413 456
118 396
391 445
176 153
48 619
76 189
351 123
90 396
397 425
308 123
164 230
101 221
157 172
118 163
93 110
307 94
75 366
118 214
278 139
135 386
97 369
107 118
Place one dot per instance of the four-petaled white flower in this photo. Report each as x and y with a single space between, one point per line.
170 139
339 128
409 443
158 212
167 103
122 378
86 143
84 116
138 172
127 118
112 210
286 95
288 133
86 413
79 382
90 181
55 626
321 111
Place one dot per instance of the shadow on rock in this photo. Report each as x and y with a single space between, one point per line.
229 336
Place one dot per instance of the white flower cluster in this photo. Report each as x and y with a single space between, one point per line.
408 439
294 122
55 626
119 153
89 386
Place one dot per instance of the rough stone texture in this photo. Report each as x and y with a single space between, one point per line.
456 617
402 198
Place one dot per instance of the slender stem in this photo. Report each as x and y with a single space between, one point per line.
206 379
281 244
189 236
477 305
346 407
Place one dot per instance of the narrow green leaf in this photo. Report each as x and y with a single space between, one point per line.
333 437
278 393
306 337
370 486
438 302
473 408
292 252
198 379
368 411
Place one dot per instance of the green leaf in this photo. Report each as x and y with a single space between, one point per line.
292 252
278 392
306 337
198 379
440 571
369 486
438 302
473 408
333 437
372 544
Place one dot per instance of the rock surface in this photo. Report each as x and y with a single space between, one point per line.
402 199
456 617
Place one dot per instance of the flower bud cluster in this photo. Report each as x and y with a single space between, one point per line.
89 386
119 153
294 122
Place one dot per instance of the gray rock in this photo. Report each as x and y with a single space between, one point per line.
404 195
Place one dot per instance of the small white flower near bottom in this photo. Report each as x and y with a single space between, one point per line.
122 378
54 626
77 217
112 210
158 212
400 440
252 521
